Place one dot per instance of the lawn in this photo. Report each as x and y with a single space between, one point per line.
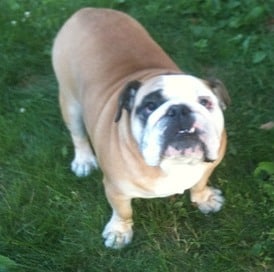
52 221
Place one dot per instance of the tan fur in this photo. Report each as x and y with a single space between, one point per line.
95 54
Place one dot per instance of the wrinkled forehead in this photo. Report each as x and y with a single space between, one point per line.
182 87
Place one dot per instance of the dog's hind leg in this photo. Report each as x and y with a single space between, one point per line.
84 159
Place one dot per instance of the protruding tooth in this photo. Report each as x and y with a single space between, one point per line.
189 131
192 130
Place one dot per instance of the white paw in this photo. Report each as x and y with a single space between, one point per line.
83 166
213 203
117 234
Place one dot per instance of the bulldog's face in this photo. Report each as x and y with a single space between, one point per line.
176 117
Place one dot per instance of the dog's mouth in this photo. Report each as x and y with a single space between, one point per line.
186 146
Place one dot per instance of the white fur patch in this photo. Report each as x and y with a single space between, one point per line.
180 177
209 200
83 163
117 233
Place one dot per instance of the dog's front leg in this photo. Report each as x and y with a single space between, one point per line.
118 231
208 199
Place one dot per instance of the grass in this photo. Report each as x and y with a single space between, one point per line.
52 221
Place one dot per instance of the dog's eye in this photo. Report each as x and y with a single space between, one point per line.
206 102
146 109
150 107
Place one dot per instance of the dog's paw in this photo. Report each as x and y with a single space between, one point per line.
117 234
82 166
209 200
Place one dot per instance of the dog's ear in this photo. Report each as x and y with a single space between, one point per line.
126 98
219 89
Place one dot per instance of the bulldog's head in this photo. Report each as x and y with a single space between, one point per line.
176 117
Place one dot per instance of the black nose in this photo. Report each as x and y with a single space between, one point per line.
181 115
178 111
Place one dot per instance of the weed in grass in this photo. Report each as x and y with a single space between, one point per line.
51 221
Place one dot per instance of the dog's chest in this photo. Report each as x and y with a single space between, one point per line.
179 177
176 179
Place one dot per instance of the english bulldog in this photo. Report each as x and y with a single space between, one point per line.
153 130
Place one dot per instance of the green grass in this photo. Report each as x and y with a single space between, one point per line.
52 221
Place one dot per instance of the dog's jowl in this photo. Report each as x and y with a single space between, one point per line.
153 130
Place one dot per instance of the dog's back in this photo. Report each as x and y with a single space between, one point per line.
83 43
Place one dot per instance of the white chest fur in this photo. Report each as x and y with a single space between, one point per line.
179 177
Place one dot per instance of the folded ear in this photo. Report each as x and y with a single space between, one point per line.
126 98
219 89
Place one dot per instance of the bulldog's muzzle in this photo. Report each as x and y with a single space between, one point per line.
181 137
